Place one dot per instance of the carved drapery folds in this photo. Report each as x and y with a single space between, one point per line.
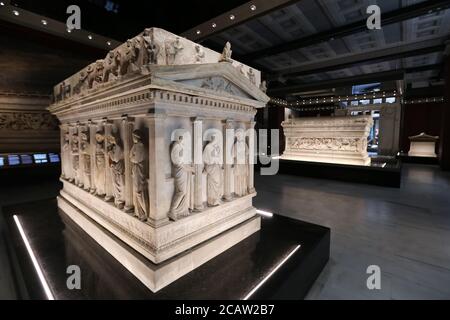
240 155
100 163
138 173
117 167
212 157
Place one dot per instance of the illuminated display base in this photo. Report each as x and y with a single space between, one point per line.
298 251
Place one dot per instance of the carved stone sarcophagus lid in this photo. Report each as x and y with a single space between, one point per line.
157 148
341 140
423 145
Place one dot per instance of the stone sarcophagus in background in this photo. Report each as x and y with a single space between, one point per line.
157 155
341 140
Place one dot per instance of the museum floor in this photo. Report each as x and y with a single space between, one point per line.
404 231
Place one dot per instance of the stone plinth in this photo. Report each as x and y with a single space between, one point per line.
423 145
341 140
151 138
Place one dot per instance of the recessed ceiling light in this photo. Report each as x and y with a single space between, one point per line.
198 32
253 7
2 3
44 22
232 17
108 43
214 25
15 12
69 30
89 37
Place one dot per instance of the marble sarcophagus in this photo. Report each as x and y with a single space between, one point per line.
341 140
157 153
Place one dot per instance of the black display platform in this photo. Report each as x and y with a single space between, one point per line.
419 160
58 243
376 174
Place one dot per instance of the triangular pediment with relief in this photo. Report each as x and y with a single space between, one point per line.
220 78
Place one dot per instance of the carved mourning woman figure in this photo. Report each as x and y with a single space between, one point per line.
251 75
240 157
183 198
86 158
137 158
151 48
213 169
116 163
172 50
199 54
100 164
226 53
111 66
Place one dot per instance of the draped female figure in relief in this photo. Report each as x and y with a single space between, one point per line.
100 164
213 168
116 163
75 161
183 198
66 157
137 158
240 158
86 158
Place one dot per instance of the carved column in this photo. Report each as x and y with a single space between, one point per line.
92 130
227 159
157 178
81 174
62 133
198 164
127 131
108 176
251 157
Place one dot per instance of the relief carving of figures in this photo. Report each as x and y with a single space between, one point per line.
100 164
333 144
81 85
129 57
76 161
137 158
173 49
111 66
251 76
117 166
27 121
85 149
151 48
199 54
263 86
240 157
241 69
94 73
183 198
212 157
226 53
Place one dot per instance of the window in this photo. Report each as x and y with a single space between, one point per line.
54 157
26 159
13 160
376 101
391 100
366 88
40 158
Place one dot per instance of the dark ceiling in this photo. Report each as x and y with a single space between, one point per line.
131 16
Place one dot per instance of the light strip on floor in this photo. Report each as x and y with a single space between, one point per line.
264 213
33 258
271 273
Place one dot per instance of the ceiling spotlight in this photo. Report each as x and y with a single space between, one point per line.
253 7
44 22
89 37
198 32
232 17
108 43
2 4
69 30
15 12
214 25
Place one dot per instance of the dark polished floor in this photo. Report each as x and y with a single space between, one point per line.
406 231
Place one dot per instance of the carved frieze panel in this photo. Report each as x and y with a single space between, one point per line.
27 121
